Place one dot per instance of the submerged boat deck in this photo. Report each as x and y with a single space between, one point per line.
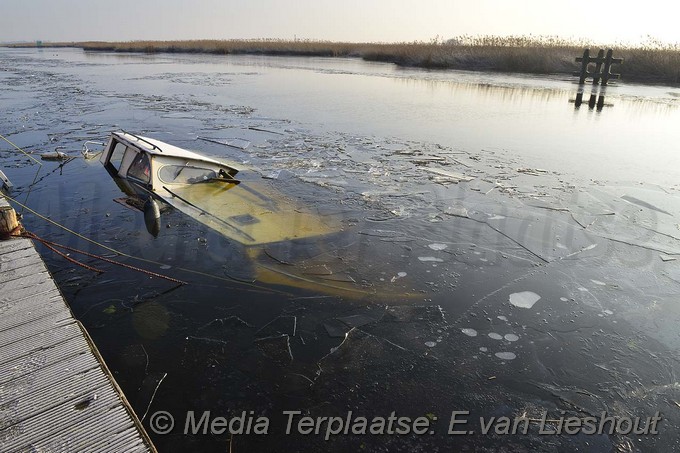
56 393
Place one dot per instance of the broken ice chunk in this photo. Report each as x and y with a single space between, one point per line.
450 176
398 276
276 348
457 211
432 259
524 299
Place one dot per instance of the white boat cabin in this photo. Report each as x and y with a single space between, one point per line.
152 164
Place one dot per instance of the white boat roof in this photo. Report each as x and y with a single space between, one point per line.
159 148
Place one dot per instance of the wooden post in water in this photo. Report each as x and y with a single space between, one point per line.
579 98
585 59
601 73
598 67
606 71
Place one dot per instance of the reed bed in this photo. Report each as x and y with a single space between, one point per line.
652 61
224 47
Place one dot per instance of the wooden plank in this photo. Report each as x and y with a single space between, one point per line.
27 280
19 389
35 327
119 438
22 362
16 313
22 292
26 271
128 437
16 254
66 416
16 269
19 262
75 388
11 245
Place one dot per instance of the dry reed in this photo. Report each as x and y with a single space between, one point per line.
652 61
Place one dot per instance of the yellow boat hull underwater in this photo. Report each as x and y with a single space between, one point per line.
250 213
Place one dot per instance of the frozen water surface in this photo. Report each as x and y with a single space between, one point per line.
503 182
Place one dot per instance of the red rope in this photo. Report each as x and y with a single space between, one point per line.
68 258
51 246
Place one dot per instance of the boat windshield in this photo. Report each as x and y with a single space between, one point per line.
141 168
185 174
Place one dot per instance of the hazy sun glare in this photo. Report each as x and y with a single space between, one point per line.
348 20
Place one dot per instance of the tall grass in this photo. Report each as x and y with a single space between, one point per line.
652 61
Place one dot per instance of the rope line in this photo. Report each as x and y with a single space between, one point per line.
145 260
62 254
51 246
33 158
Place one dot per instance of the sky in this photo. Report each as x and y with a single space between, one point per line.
335 20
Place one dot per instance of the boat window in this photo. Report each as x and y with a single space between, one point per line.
117 155
184 174
141 168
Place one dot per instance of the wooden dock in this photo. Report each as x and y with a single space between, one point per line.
56 393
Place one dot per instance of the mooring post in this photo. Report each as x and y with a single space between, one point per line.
607 66
579 98
584 66
598 67
8 220
608 62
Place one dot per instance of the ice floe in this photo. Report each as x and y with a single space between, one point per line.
524 299
431 259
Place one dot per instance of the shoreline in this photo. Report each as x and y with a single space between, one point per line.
653 64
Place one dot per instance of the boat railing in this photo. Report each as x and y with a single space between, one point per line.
142 140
